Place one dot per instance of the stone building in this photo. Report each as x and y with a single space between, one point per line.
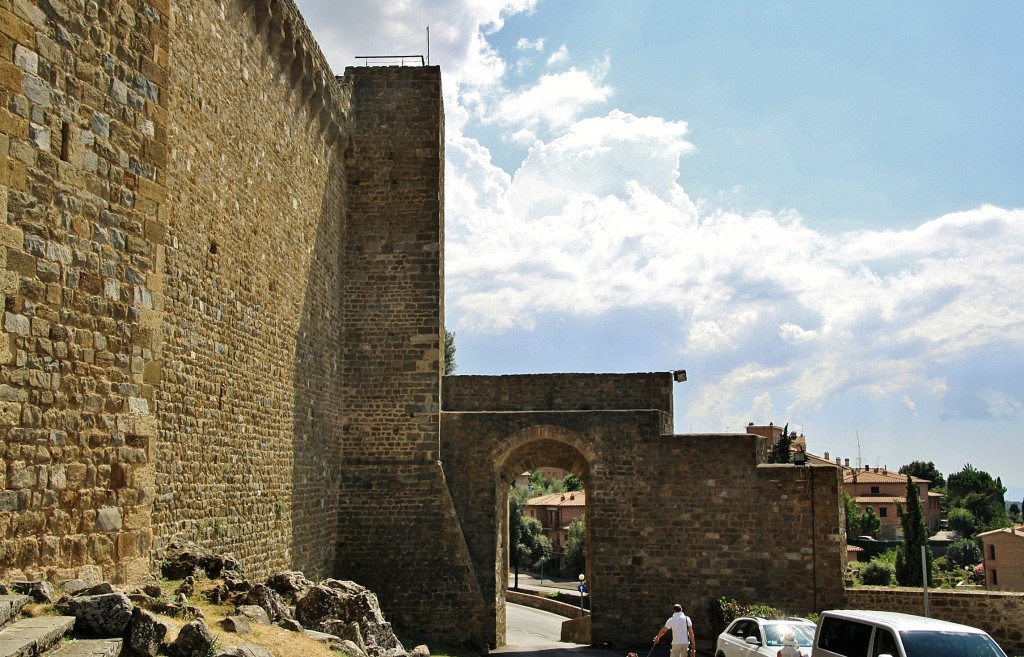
222 273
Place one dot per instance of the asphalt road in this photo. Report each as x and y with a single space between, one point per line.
531 632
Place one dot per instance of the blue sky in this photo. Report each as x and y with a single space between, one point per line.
816 209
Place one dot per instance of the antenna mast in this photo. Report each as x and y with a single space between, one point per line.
428 45
860 461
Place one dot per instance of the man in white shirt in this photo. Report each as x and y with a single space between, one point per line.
682 633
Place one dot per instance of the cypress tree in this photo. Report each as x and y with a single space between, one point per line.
915 535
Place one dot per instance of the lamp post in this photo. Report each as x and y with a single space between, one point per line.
583 591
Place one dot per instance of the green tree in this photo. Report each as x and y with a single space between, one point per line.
963 552
575 555
962 522
982 495
870 523
854 515
915 536
572 482
526 539
924 470
449 353
1014 512
780 450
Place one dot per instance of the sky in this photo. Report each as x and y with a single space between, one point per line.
816 209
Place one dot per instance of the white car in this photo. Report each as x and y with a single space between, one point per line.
762 637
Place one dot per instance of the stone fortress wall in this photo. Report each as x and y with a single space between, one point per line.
222 275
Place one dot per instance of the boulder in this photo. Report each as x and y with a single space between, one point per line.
265 597
236 624
146 634
348 648
352 603
194 640
254 613
42 592
103 616
290 585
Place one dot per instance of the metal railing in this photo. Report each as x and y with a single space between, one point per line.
391 60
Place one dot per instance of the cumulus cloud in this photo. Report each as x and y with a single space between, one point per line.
596 218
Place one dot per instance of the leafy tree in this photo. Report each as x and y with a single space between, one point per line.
575 554
449 353
978 492
1014 512
526 539
963 552
915 536
572 482
962 522
924 470
854 515
870 523
780 450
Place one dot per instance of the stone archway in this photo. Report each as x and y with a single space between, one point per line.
536 446
670 518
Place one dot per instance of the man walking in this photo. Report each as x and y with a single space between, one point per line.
682 633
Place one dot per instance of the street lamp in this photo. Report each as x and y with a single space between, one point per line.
583 591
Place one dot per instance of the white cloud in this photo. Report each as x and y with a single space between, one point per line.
559 56
554 102
526 44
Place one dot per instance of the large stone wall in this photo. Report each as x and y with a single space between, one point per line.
83 149
999 613
670 518
248 388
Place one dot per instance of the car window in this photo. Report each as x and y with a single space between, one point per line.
844 637
949 644
773 634
885 644
741 629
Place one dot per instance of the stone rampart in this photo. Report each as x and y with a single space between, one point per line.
999 613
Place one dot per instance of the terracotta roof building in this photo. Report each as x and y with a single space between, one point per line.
556 512
1003 551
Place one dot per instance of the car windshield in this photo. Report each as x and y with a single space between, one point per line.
773 634
949 644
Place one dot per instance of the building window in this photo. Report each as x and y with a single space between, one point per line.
875 490
883 512
995 578
992 552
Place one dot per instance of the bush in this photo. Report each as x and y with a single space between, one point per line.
963 552
878 573
723 610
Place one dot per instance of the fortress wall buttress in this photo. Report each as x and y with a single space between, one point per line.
248 391
398 534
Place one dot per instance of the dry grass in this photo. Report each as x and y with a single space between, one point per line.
278 641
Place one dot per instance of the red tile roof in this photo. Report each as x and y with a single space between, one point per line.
878 476
1013 531
576 498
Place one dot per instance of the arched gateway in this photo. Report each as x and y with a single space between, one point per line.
670 518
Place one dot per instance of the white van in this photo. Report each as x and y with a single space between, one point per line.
857 633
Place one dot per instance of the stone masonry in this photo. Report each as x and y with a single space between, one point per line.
670 518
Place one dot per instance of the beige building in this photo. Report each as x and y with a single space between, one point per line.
556 512
1004 558
883 490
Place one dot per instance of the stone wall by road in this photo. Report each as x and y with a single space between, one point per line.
999 613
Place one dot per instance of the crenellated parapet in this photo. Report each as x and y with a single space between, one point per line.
301 63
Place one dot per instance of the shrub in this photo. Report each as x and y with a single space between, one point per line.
723 610
878 573
963 552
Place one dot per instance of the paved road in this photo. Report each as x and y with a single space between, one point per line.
531 631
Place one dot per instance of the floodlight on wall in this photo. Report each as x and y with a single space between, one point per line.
800 457
679 376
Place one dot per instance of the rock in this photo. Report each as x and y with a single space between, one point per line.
182 559
245 650
320 637
72 586
187 588
146 634
102 616
39 591
290 624
103 588
347 631
237 624
290 585
265 597
420 651
348 648
349 602
254 613
194 640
